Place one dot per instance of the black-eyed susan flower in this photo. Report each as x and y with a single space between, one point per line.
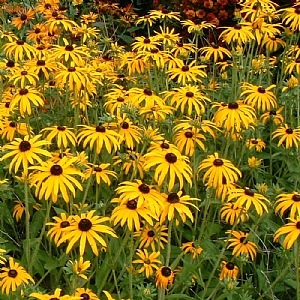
130 133
163 277
273 116
293 65
169 164
233 213
241 244
287 135
177 205
145 43
51 179
100 172
86 294
152 236
187 73
42 66
223 189
24 98
220 169
288 202
273 43
129 213
291 17
144 97
23 77
157 112
215 52
188 98
228 270
25 151
87 228
292 229
182 49
149 261
190 247
25 16
57 296
80 266
13 276
167 37
164 14
259 97
63 134
256 143
10 129
19 50
237 34
197 27
234 116
248 197
99 136
57 230
19 208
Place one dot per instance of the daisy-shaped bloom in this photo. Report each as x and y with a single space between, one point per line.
170 164
86 294
228 270
25 152
84 32
132 63
37 33
87 228
145 43
164 14
253 162
152 236
187 73
256 143
293 65
182 49
146 195
101 173
25 16
69 52
144 97
197 27
273 43
291 17
188 139
176 205
22 77
248 197
149 261
56 296
234 116
289 136
145 20
237 34
2 258
241 244
233 213
79 267
63 134
52 179
292 229
219 169
57 230
13 276
190 247
99 136
259 97
25 98
273 116
167 36
157 112
58 22
130 133
163 277
223 189
189 99
290 202
116 99
19 207
43 66
19 50
129 213
10 129
215 52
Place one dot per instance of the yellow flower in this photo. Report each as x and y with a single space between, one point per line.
63 135
233 213
164 277
256 143
100 172
253 162
190 247
237 34
290 202
19 50
79 267
229 270
290 136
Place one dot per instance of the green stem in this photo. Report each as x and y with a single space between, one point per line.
27 223
169 243
297 250
131 267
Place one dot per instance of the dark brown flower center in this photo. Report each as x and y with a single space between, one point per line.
24 146
144 188
64 224
179 44
98 169
272 113
20 42
173 198
51 83
164 11
47 5
147 41
254 142
261 90
24 73
40 63
249 192
100 128
69 48
185 69
154 51
230 266
85 224
243 240
120 99
12 124
10 64
188 134
125 125
53 299
298 225
166 271
289 131
23 92
237 26
56 170
148 92
171 158
150 233
296 197
71 69
12 273
218 162
233 105
37 30
41 47
297 10
61 128
85 296
164 146
54 14
23 17
189 94
132 204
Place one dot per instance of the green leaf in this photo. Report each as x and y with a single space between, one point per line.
126 38
179 296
